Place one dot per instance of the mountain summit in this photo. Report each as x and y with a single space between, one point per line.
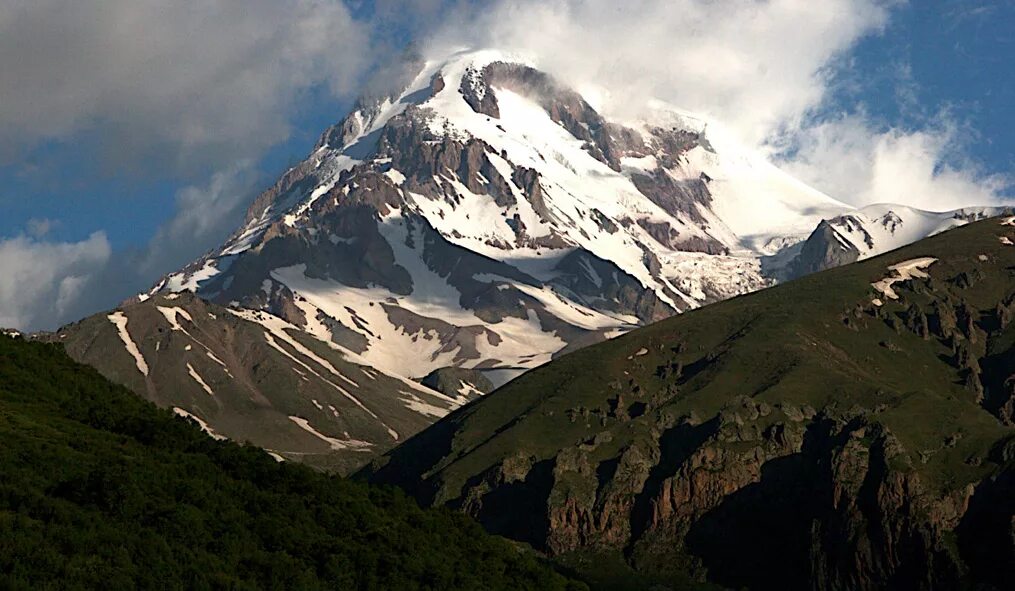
458 232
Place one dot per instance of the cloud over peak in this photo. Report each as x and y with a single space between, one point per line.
767 70
759 67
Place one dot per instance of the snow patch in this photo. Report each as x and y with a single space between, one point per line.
197 378
904 271
220 362
336 444
417 404
467 390
192 281
396 177
204 426
171 313
119 320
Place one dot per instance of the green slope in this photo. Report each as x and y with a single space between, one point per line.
802 436
100 489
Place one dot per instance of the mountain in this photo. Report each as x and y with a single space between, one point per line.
248 376
870 231
471 224
853 429
103 490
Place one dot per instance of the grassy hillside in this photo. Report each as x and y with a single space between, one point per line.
816 434
100 489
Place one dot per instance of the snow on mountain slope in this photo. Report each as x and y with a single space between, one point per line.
760 204
877 229
868 232
485 217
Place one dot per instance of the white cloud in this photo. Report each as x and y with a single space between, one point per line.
204 217
39 281
45 284
169 85
852 159
759 67
164 89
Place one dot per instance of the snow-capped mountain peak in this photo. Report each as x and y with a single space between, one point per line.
482 156
485 217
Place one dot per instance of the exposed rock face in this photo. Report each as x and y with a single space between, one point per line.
823 494
875 230
767 442
823 250
600 283
844 520
674 196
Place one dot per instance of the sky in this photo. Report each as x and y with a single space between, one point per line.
133 133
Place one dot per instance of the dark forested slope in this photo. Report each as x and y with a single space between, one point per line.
100 489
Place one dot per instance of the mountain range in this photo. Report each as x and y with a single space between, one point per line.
632 346
475 221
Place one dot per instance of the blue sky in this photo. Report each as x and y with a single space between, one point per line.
951 54
79 193
101 140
